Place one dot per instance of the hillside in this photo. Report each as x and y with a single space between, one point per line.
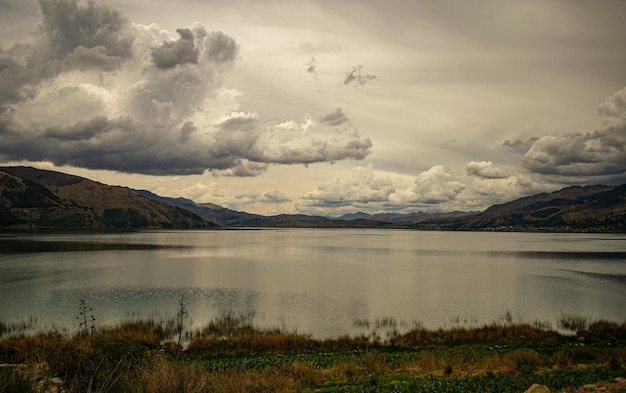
591 208
110 206
232 218
423 220
24 203
209 211
38 198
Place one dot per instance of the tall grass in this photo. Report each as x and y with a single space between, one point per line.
231 354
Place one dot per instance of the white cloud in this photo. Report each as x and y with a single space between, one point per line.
485 169
435 189
614 107
199 192
95 91
259 98
274 196
362 188
434 186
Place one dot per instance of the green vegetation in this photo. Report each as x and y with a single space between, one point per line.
230 354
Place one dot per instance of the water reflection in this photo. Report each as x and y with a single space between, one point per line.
317 281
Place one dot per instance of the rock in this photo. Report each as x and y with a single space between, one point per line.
536 388
620 380
57 381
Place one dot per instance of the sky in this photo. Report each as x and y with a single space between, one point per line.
317 106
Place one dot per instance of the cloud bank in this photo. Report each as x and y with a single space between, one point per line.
598 154
94 90
547 163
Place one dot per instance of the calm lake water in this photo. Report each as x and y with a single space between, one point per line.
317 281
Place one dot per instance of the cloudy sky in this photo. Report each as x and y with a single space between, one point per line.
316 106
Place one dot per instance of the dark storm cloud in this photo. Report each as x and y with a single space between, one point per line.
355 76
68 24
81 131
181 51
139 108
335 118
598 153
601 153
186 131
12 78
126 145
71 36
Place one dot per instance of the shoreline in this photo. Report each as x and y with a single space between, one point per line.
148 356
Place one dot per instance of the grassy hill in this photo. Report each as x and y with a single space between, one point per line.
592 208
48 194
24 203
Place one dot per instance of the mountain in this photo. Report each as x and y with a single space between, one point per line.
210 211
38 198
592 208
232 218
35 198
353 216
24 203
422 219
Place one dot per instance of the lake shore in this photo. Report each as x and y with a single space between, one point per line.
231 354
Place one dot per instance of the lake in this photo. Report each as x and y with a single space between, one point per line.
318 281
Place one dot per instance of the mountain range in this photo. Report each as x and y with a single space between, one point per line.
35 198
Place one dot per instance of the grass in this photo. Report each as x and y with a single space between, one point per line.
231 354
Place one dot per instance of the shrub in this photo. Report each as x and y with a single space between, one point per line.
13 381
374 362
614 364
526 360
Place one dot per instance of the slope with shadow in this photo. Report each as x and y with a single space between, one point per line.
25 204
232 218
591 208
209 211
117 207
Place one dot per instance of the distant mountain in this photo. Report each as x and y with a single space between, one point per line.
38 198
232 218
26 191
422 219
209 211
353 216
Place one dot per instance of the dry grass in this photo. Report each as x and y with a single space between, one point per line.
167 376
130 357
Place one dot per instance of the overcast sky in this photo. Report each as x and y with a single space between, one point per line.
318 106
